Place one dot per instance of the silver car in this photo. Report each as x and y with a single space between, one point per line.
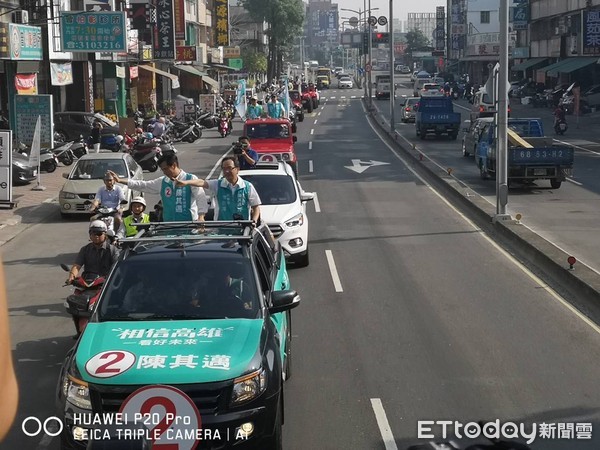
408 112
87 177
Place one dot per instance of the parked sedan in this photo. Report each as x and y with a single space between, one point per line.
472 134
408 112
87 176
70 125
22 172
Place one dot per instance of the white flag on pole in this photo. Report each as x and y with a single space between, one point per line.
34 153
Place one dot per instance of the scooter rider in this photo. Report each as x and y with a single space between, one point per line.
109 196
559 115
96 257
128 228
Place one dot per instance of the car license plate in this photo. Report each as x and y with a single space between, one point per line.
539 171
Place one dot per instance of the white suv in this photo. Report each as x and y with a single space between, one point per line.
283 207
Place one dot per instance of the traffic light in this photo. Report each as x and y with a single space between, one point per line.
380 38
365 42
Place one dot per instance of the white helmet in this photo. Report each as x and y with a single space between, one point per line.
98 225
139 200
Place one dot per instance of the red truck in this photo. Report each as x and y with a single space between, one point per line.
299 103
273 140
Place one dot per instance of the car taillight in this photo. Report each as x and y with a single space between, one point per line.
481 109
408 108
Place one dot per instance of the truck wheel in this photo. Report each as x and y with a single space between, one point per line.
417 131
555 183
422 134
309 107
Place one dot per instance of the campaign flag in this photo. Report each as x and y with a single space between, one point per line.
286 97
240 100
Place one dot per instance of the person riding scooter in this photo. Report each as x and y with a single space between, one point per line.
560 120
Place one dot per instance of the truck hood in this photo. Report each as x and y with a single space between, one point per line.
168 352
272 145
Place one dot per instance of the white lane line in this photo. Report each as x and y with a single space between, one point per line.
343 96
331 98
312 131
334 274
310 145
319 113
310 166
316 120
317 204
383 424
578 147
508 256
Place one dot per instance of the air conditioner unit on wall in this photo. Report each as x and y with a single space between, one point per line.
21 16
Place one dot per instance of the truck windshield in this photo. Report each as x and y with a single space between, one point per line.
182 288
268 131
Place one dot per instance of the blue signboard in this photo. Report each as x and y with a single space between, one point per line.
521 16
591 32
27 110
85 32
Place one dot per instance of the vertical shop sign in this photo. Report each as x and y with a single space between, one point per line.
591 32
179 13
164 42
222 25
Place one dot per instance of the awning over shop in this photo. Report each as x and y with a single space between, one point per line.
214 83
223 66
190 69
550 69
528 64
171 76
574 64
480 58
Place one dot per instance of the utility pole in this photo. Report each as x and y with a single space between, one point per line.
501 143
392 84
370 53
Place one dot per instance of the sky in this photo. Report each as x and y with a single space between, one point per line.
401 7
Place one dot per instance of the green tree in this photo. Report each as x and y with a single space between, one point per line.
285 19
254 62
415 40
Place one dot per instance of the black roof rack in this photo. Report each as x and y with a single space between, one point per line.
191 231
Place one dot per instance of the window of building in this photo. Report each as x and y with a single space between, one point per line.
485 17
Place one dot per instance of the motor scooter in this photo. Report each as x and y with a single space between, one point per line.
560 126
48 160
224 128
80 303
106 215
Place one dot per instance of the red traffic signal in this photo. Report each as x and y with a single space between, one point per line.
381 38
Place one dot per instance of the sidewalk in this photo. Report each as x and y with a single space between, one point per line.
31 206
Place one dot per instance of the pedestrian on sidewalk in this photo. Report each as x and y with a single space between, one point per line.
96 135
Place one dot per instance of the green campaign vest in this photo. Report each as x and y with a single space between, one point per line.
176 201
236 202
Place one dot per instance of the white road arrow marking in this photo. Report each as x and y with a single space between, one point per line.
359 166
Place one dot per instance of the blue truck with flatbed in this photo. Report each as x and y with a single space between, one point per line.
435 115
531 155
